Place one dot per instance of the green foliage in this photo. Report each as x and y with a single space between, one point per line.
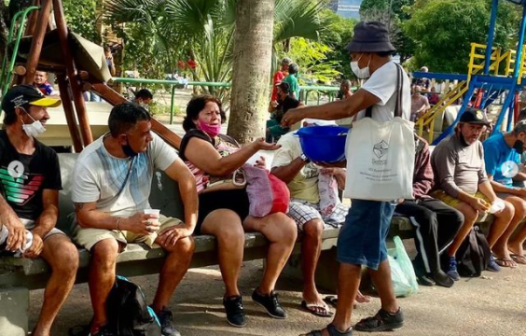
315 67
444 41
393 13
82 18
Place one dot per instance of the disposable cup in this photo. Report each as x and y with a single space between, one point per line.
497 206
155 212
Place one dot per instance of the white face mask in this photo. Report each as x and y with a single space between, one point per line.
35 129
361 73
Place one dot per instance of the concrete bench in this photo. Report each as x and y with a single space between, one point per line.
18 276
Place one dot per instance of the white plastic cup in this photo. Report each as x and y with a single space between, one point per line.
155 212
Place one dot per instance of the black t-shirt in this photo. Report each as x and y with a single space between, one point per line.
285 105
41 171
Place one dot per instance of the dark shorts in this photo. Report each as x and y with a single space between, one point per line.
362 237
235 200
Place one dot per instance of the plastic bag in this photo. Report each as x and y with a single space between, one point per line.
402 272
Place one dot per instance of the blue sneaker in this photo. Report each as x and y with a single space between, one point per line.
492 264
452 269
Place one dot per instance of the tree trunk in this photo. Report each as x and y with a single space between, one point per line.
252 63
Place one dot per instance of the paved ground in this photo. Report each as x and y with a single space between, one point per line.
489 306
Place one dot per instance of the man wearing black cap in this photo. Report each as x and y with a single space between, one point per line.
29 186
362 238
461 182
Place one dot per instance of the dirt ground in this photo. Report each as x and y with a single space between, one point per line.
492 305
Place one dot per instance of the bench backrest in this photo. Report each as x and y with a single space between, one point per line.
164 194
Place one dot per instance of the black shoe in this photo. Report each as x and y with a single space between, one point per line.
442 279
235 314
103 331
425 280
167 327
270 303
382 321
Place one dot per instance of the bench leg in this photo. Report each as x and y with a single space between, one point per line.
14 307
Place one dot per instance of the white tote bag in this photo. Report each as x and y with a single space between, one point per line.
381 157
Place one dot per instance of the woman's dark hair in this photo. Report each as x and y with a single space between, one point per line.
125 116
195 106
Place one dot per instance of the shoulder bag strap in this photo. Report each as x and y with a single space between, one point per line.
398 92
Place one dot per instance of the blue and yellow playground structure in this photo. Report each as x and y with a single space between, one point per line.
493 75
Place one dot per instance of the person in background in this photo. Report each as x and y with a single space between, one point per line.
461 182
292 80
29 200
435 224
278 108
419 103
502 156
143 97
109 60
424 83
41 83
434 97
345 90
279 76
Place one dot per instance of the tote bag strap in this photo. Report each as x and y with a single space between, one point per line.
398 92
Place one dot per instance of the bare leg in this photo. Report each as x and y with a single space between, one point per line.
174 268
310 254
102 277
501 223
281 231
382 281
500 248
226 226
63 258
515 246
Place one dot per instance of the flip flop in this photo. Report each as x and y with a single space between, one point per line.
518 259
511 263
316 309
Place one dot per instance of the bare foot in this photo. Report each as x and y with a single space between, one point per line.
360 298
312 297
515 248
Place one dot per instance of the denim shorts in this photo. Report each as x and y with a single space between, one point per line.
362 237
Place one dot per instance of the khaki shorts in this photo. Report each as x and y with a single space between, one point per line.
453 202
87 238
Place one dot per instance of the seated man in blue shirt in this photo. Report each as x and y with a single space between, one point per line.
502 155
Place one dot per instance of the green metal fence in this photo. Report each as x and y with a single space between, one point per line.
305 91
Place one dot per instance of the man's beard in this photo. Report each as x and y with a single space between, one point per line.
463 141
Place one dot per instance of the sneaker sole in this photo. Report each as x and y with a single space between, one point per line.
236 325
269 314
385 327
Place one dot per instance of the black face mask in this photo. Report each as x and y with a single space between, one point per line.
129 151
518 146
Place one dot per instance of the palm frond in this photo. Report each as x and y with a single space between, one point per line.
297 18
122 11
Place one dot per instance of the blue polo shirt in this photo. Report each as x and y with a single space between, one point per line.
496 153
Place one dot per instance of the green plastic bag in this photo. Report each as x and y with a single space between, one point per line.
402 272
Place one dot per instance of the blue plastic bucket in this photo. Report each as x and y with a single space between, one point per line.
323 143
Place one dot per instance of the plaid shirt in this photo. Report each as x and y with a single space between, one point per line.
423 178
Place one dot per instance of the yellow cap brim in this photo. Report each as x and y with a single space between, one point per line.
46 102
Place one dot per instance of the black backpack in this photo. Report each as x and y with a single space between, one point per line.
128 313
473 255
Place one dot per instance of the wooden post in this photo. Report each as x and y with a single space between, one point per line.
78 98
38 39
114 98
68 111
32 20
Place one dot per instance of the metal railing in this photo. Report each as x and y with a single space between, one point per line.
330 91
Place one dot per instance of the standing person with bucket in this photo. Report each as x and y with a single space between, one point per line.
385 98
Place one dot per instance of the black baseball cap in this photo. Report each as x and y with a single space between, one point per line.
26 96
474 116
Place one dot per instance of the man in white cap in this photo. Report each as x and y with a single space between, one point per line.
311 211
29 186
